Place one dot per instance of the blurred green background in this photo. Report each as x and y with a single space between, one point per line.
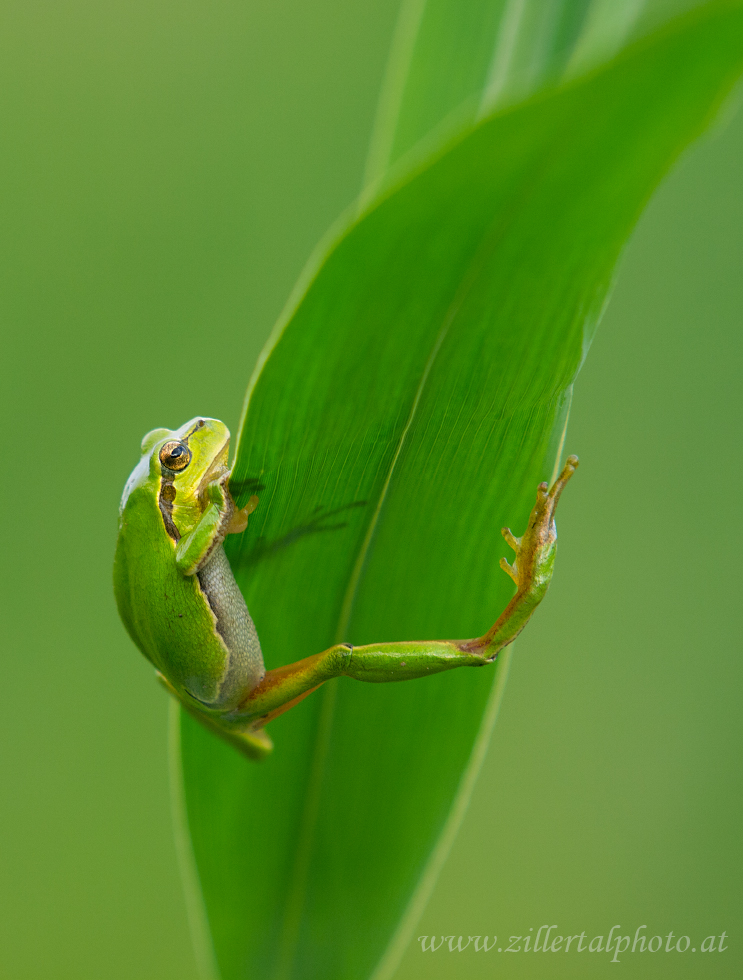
166 170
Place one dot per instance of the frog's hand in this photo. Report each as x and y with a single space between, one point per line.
383 662
239 520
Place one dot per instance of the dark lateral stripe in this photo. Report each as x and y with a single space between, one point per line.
165 499
198 426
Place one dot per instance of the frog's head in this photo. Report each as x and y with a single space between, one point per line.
190 457
178 464
185 460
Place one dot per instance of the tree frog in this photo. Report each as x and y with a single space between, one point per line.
179 600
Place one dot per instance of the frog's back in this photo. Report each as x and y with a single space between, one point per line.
166 613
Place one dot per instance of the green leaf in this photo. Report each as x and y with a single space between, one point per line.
451 62
413 396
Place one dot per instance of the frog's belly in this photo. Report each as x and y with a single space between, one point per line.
236 630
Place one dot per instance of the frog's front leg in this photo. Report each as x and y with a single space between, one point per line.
219 519
532 570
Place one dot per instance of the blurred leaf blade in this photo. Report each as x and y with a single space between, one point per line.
406 412
452 62
458 60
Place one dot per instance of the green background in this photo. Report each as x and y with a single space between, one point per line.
167 169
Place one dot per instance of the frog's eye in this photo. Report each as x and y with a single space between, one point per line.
175 455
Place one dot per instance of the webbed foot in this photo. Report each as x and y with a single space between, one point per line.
535 549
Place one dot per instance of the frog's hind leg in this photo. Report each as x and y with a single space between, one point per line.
282 688
256 745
